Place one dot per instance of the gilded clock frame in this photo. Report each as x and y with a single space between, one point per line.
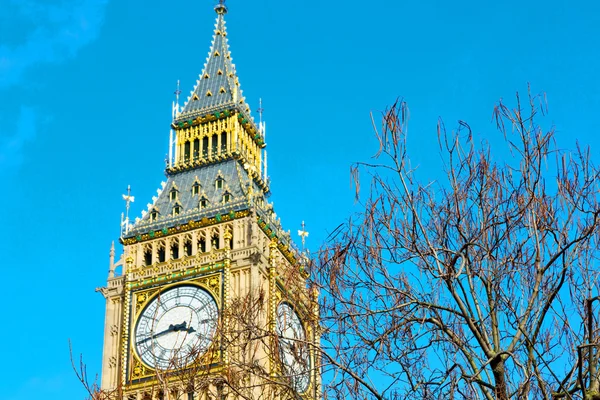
281 298
138 371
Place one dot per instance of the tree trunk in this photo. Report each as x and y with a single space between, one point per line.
499 372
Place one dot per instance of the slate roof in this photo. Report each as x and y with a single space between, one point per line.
236 183
217 87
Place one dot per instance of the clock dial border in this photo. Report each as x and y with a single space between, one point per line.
307 332
138 369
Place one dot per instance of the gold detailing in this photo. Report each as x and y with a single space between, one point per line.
208 93
213 284
244 140
228 236
125 332
175 276
272 306
137 369
226 306
186 227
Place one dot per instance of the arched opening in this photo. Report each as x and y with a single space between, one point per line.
202 245
187 248
148 256
186 151
174 250
205 146
196 149
224 142
214 242
162 254
214 145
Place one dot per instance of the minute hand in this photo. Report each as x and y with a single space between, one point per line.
171 328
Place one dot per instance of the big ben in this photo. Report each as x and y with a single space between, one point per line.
209 298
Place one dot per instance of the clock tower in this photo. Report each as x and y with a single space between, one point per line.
209 298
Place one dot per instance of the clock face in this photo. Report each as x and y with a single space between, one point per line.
175 327
293 347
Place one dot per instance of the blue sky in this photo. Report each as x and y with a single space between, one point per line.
85 98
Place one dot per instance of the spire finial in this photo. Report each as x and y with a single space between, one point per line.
177 93
260 111
125 218
303 234
221 8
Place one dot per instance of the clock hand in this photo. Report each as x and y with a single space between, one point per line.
183 327
170 329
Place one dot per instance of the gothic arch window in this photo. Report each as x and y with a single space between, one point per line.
202 245
214 241
153 215
174 249
219 183
148 255
174 194
205 146
214 144
162 252
223 142
187 247
196 148
186 151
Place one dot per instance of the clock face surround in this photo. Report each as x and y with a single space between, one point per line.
175 327
293 347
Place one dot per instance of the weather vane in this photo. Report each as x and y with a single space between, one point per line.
303 234
128 200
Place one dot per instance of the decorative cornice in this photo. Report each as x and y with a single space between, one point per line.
190 225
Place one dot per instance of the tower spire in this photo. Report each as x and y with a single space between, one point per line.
217 88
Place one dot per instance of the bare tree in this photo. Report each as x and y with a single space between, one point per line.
479 285
251 345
